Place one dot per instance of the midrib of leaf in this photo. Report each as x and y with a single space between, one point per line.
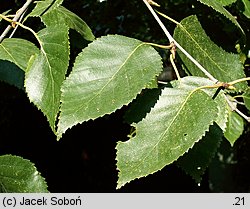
67 15
100 91
197 44
163 134
50 72
8 53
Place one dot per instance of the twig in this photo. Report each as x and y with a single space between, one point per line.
25 27
233 106
16 18
20 19
171 39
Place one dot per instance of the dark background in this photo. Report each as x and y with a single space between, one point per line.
84 159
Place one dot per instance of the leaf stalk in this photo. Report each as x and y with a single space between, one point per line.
19 13
171 39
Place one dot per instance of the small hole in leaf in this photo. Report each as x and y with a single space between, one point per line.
184 134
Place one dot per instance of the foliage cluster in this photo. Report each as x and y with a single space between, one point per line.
182 120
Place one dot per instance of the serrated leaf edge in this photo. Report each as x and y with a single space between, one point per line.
203 169
59 135
32 59
235 23
37 173
119 185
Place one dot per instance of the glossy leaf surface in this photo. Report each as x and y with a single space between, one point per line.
108 74
20 176
179 119
222 65
46 71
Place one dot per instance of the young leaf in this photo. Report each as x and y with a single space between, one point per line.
196 161
247 8
218 6
108 74
18 51
20 176
61 15
222 65
46 71
45 6
178 120
235 127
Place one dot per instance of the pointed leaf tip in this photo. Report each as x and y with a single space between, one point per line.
46 71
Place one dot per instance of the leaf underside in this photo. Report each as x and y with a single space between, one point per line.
108 74
46 71
20 176
222 65
179 119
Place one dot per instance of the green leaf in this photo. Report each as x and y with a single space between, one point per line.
220 100
218 6
196 161
44 6
142 105
108 74
11 74
235 127
20 176
61 15
178 120
246 97
226 2
18 51
47 70
222 65
247 8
